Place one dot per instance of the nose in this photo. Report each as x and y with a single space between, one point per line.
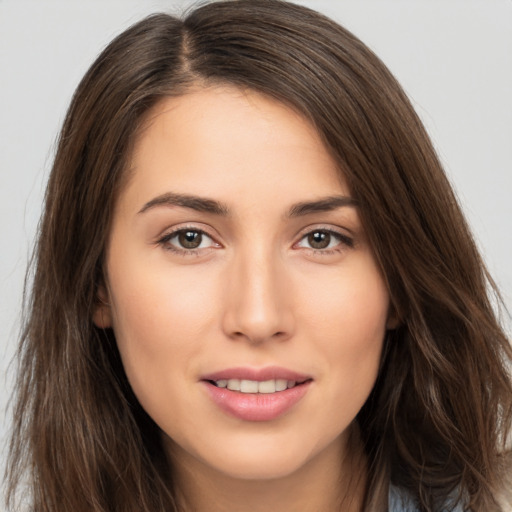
258 305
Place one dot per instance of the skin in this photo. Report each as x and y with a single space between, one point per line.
254 293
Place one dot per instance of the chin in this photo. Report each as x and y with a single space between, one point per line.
263 456
260 468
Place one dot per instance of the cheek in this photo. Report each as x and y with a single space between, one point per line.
349 307
348 321
160 321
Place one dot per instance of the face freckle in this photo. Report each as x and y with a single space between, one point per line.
235 251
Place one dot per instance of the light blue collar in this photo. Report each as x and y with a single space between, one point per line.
401 501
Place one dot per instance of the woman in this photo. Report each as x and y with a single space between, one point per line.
254 288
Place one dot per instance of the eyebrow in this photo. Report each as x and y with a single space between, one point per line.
197 203
326 204
202 204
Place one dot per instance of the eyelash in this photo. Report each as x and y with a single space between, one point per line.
165 241
344 241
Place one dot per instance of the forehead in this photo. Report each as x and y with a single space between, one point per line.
229 143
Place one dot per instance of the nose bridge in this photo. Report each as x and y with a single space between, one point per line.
258 307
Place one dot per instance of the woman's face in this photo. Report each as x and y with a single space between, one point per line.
247 306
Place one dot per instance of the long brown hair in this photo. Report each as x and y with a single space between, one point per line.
437 419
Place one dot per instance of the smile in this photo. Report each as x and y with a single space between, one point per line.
254 386
251 394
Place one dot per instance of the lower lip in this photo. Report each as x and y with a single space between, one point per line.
256 406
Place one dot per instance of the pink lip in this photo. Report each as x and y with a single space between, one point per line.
256 406
259 374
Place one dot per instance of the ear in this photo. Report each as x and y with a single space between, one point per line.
393 321
102 315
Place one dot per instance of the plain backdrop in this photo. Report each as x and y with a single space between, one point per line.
453 57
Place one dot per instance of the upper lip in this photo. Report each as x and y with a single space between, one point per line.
258 374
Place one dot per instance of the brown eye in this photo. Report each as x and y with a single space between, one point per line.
190 239
187 241
319 239
325 241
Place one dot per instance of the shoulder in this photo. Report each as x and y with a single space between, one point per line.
401 501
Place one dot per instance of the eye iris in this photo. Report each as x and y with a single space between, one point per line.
190 239
319 239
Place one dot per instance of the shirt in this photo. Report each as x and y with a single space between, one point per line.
401 501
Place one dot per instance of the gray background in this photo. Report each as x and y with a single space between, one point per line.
453 57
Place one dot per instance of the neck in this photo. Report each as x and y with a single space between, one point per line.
334 480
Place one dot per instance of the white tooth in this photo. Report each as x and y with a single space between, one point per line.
221 383
234 384
248 386
281 384
290 384
267 386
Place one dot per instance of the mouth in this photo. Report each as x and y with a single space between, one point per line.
254 386
252 394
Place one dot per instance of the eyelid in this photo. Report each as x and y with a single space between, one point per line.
164 240
345 240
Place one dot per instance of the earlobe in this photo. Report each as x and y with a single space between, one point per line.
393 320
102 316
